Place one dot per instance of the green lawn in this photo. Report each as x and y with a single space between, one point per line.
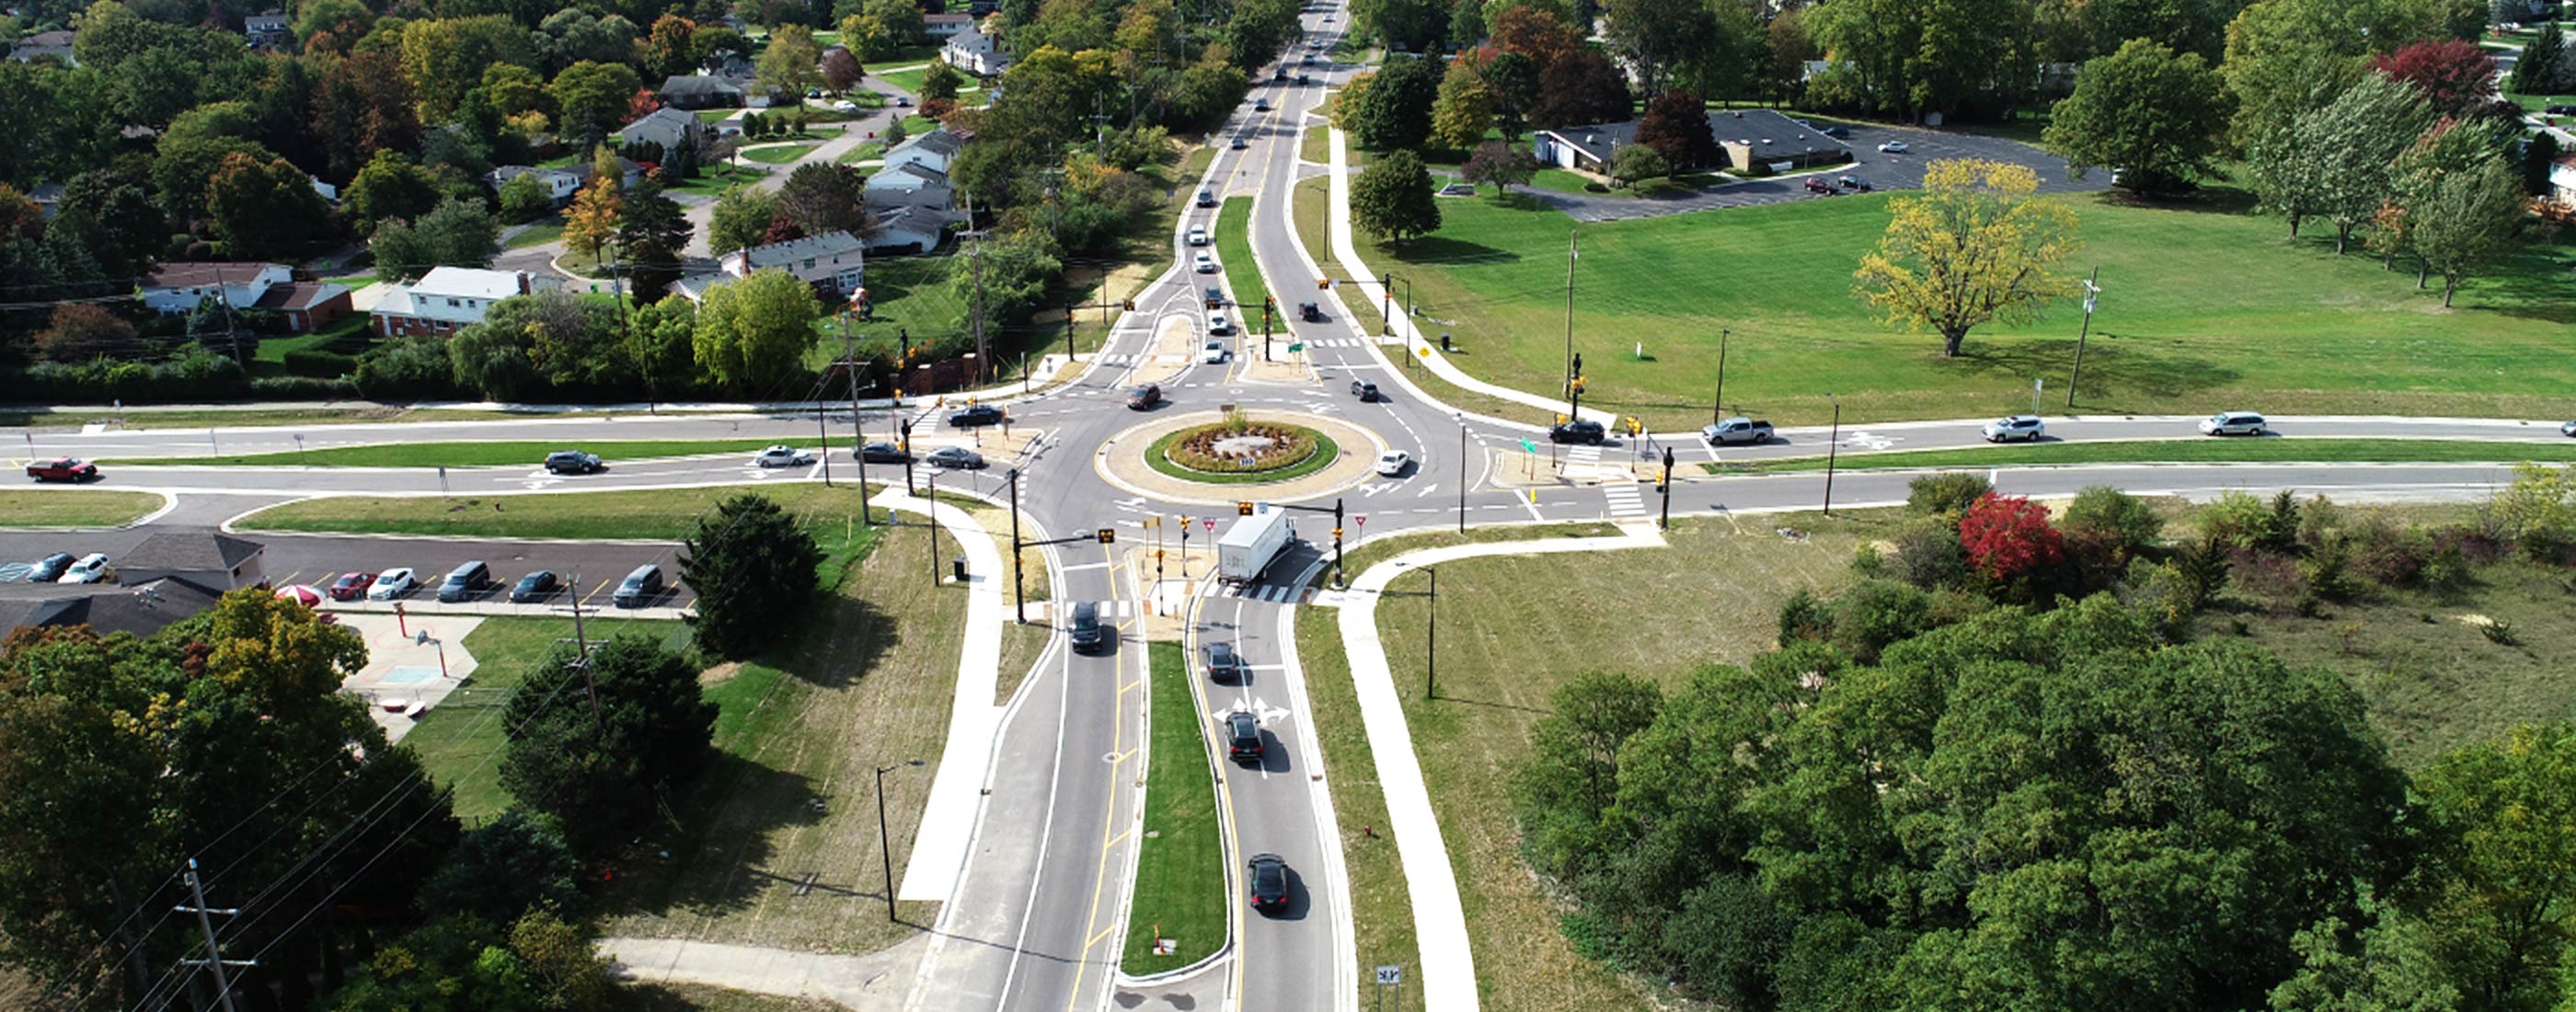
491 454
1316 144
1233 238
347 334
651 515
908 81
715 115
777 154
74 508
460 740
2183 451
2536 103
714 179
2202 308
538 233
1180 861
868 150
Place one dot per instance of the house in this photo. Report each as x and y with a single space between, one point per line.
933 149
833 262
947 26
560 184
48 199
307 306
55 44
173 289
911 184
267 31
200 555
1745 137
705 91
137 607
911 230
2562 180
667 127
448 299
978 52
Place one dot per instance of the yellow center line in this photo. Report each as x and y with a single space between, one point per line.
1108 826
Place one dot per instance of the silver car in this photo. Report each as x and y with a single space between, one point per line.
2026 428
783 456
2232 423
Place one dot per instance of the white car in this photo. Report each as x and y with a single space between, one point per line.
1203 263
91 568
1894 148
1393 462
1218 324
1198 235
1213 353
2026 428
393 583
2232 423
845 105
783 456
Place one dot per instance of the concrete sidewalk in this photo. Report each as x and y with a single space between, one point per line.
875 981
947 830
1439 919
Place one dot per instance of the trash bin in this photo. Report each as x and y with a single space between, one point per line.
958 566
1444 342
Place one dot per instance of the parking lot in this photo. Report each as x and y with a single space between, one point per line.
1883 171
317 560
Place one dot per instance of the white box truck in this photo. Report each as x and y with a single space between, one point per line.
1248 547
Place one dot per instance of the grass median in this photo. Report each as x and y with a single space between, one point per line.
494 454
1234 253
2180 451
636 515
1180 862
80 508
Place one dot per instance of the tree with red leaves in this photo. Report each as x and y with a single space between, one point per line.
782 229
2008 537
2456 77
1676 126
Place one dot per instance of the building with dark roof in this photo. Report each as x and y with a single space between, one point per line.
138 608
200 555
1745 137
834 262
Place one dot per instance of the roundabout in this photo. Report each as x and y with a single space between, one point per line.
1220 457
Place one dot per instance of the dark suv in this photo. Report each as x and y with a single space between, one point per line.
1580 430
1144 397
1365 391
1310 312
465 582
1223 664
1242 737
1085 629
973 415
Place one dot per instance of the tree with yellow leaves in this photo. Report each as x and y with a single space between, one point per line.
1973 248
593 218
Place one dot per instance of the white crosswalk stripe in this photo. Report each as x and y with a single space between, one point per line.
1624 499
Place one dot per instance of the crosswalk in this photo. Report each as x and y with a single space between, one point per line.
1625 501
1335 342
1176 589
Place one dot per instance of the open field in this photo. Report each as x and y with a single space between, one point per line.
644 514
460 741
79 508
2183 451
493 454
2250 318
1180 862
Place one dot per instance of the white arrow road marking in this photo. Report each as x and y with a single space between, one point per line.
1427 490
1869 440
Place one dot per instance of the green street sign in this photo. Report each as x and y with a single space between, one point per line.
1299 346
1528 447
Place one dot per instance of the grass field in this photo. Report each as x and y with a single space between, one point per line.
1180 862
81 508
494 454
650 514
1233 238
460 741
713 179
1316 144
538 233
2183 451
907 80
2247 317
864 152
777 154
348 335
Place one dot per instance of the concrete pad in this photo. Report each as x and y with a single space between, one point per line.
417 659
870 983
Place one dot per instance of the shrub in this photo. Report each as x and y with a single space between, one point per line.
1930 557
2237 519
2008 537
2318 522
2131 524
2387 553
2270 578
407 368
1951 607
2326 569
1875 613
1804 618
303 388
325 364
1947 494
1868 562
2164 592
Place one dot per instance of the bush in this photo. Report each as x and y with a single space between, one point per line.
2270 578
1929 557
2237 520
1875 613
407 368
2386 552
191 374
1804 618
325 364
303 388
1947 494
2130 524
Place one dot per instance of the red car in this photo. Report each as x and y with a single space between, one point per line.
352 586
1815 185
63 469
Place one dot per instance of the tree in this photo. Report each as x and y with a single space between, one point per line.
1658 36
1464 109
1637 163
80 331
519 861
494 362
572 35
1500 164
456 233
2147 111
525 199
2535 70
593 218
2008 537
1913 57
1581 88
742 214
790 61
659 340
902 20
2538 157
260 210
2456 78
593 740
669 48
444 57
593 98
2355 140
939 80
1513 81
752 567
2125 524
389 187
651 234
1395 111
826 198
2386 966
1975 247
2285 57
1533 33
1393 198
1571 779
841 71
1015 274
2512 868
753 333
1676 126
2468 221
363 105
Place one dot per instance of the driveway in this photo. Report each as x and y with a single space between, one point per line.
1883 171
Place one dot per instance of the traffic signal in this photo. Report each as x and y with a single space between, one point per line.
1128 305
1243 509
1323 284
1108 536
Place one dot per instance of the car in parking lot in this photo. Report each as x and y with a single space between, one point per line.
1365 391
973 415
1218 324
639 588
571 462
91 568
1242 737
50 568
1894 148
536 586
1083 628
351 586
464 582
783 456
1310 312
1856 183
2232 423
1815 184
954 458
1393 462
882 453
1266 880
63 469
1580 430
2027 428
1198 235
393 583
1223 664
1202 263
1144 397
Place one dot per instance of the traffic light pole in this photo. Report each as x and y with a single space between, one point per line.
1268 303
906 450
1019 592
1667 487
1245 509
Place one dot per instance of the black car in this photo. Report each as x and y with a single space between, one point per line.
50 568
1266 878
1580 430
1223 664
1836 131
536 586
2562 110
1365 391
1242 737
883 453
464 582
1144 397
1215 297
973 415
1303 79
1207 198
1085 630
1857 184
955 458
571 462
1310 312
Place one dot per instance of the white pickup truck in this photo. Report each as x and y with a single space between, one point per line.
1246 549
1736 430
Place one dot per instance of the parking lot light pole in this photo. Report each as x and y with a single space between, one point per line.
1717 403
885 849
1833 444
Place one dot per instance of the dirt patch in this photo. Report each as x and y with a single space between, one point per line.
720 674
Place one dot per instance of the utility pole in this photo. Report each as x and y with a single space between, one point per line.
1573 244
2092 297
824 433
1019 595
930 521
214 949
1717 404
858 436
581 644
982 354
1431 641
1833 444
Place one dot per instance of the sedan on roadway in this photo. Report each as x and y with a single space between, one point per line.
882 453
1218 324
91 568
1266 878
352 586
2568 430
1198 235
536 586
2026 428
1144 398
571 462
393 583
783 456
1238 143
2232 423
1393 462
955 458
1202 263
1223 664
973 415
1261 105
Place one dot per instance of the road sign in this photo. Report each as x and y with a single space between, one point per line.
1422 352
1528 447
1390 975
1297 347
1360 518
1210 522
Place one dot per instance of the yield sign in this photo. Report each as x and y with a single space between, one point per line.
1211 524
1360 518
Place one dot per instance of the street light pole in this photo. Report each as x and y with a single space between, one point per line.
1019 594
1833 444
824 433
906 450
885 847
2092 297
1717 403
1462 474
1431 641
